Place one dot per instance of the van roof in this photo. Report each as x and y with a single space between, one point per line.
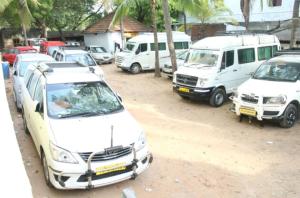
220 42
148 37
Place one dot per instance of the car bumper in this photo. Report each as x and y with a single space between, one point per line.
260 111
104 61
167 71
79 176
193 92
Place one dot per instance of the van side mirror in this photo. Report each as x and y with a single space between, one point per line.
15 73
39 107
222 66
137 51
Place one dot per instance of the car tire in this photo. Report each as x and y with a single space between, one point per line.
46 170
289 116
26 130
217 98
124 70
16 102
135 68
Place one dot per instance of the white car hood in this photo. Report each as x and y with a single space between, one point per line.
202 72
90 134
266 88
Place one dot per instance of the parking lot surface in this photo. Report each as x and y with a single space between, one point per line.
199 151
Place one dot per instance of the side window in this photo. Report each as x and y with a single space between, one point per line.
264 53
33 83
143 47
28 78
227 59
246 55
274 49
58 56
161 46
181 45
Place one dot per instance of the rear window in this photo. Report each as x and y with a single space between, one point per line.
161 46
181 45
246 55
264 53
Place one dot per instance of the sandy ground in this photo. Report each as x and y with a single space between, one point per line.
199 151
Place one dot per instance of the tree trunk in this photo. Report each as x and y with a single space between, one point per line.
44 30
167 19
25 34
245 8
61 34
153 12
122 32
184 22
295 22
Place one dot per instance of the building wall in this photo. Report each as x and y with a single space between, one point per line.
100 39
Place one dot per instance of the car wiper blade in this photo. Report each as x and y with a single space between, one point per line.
84 114
115 110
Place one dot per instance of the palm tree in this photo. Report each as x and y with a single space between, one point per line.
295 22
246 6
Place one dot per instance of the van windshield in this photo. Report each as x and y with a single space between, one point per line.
129 46
98 50
278 71
201 57
81 99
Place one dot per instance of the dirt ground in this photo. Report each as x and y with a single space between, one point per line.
199 151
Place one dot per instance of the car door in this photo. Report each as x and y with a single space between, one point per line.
15 79
143 56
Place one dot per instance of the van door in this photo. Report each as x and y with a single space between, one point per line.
248 64
142 56
229 71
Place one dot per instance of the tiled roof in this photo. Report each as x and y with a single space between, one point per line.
130 25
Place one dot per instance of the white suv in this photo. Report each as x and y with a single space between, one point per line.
82 132
273 92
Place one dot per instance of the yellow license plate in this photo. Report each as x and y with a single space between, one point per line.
183 89
248 111
110 168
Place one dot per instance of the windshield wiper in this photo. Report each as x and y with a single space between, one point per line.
114 110
83 114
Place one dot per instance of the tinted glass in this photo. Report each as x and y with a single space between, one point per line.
264 53
246 55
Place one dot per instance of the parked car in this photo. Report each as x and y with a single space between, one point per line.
180 59
72 43
100 54
139 53
217 65
10 54
273 92
74 55
83 134
36 42
19 68
47 47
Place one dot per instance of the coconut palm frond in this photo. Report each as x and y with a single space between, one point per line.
4 4
121 11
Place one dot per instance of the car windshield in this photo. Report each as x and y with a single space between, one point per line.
129 46
23 67
202 57
181 55
97 50
81 99
85 59
278 71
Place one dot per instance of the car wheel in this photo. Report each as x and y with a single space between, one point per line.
135 68
124 70
217 98
289 116
16 101
25 124
46 170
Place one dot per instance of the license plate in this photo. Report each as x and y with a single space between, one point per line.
110 168
183 89
248 111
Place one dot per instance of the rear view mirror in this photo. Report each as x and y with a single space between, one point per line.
39 107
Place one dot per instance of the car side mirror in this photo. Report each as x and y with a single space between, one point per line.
15 73
222 66
39 107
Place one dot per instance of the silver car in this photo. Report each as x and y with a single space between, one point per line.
180 58
19 68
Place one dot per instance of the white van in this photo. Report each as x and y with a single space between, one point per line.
272 93
217 65
139 53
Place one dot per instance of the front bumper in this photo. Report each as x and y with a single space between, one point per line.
104 61
259 110
167 71
193 92
83 175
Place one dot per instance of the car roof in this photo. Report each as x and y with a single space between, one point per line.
72 51
25 48
34 57
286 58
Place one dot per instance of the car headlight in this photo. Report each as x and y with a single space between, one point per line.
141 142
61 155
202 81
274 100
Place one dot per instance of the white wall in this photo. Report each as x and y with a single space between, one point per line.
114 37
257 14
100 39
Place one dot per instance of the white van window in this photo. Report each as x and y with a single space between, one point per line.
246 55
203 57
161 46
181 45
129 46
227 59
143 47
264 53
274 49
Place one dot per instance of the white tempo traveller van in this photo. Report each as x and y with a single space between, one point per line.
217 65
139 53
272 93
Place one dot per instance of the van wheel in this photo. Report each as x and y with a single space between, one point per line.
289 116
135 68
25 123
217 98
46 170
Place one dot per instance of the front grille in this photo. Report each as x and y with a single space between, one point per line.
108 154
106 57
271 113
186 80
249 98
119 59
83 178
